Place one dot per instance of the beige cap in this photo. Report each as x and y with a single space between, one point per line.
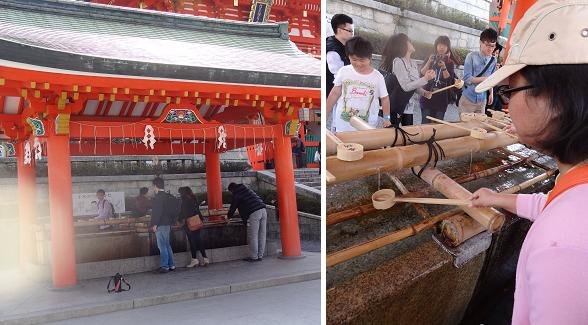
550 32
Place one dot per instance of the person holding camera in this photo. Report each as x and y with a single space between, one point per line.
442 62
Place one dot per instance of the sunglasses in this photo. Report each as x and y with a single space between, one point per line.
504 93
349 30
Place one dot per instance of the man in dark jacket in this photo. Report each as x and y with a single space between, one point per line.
252 211
336 57
299 151
161 220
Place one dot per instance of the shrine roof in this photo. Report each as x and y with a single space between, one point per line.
94 38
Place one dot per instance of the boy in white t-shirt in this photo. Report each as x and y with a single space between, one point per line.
357 88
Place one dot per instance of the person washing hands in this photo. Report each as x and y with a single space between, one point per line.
546 70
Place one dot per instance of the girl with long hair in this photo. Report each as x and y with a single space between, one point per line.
443 63
402 78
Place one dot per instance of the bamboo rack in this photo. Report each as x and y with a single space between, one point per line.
390 159
359 211
379 138
456 216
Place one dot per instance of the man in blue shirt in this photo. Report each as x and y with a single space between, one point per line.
475 62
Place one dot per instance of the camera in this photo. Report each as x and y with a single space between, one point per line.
438 58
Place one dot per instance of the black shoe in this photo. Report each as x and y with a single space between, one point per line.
163 270
259 259
249 259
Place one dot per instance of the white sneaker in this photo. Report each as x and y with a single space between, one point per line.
193 263
102 227
205 262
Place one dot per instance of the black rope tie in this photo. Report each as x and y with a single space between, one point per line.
405 135
435 153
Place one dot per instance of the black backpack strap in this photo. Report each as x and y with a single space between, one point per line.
486 67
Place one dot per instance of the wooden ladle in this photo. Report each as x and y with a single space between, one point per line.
349 151
476 133
458 84
467 117
499 130
500 115
386 198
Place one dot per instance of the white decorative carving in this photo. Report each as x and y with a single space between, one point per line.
149 138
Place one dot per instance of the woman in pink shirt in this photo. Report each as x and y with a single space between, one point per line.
547 73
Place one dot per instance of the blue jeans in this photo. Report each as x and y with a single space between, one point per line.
166 255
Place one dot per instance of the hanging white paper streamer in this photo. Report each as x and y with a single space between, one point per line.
38 149
149 138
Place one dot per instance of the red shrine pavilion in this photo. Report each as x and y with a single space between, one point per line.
84 79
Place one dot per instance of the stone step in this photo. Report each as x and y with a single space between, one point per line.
312 184
307 179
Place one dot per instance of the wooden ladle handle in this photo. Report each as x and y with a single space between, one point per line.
424 200
448 123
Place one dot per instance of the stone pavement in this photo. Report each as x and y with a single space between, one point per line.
30 302
294 303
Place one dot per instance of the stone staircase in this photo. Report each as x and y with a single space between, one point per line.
309 177
307 181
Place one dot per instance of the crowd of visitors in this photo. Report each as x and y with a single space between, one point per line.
166 210
382 97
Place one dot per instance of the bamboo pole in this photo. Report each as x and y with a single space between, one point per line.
490 218
390 159
364 248
379 138
488 172
460 228
360 124
528 183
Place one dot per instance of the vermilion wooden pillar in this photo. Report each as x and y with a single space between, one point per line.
289 231
27 202
63 254
213 180
521 7
504 16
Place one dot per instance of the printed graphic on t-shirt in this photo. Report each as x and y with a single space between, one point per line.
357 99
